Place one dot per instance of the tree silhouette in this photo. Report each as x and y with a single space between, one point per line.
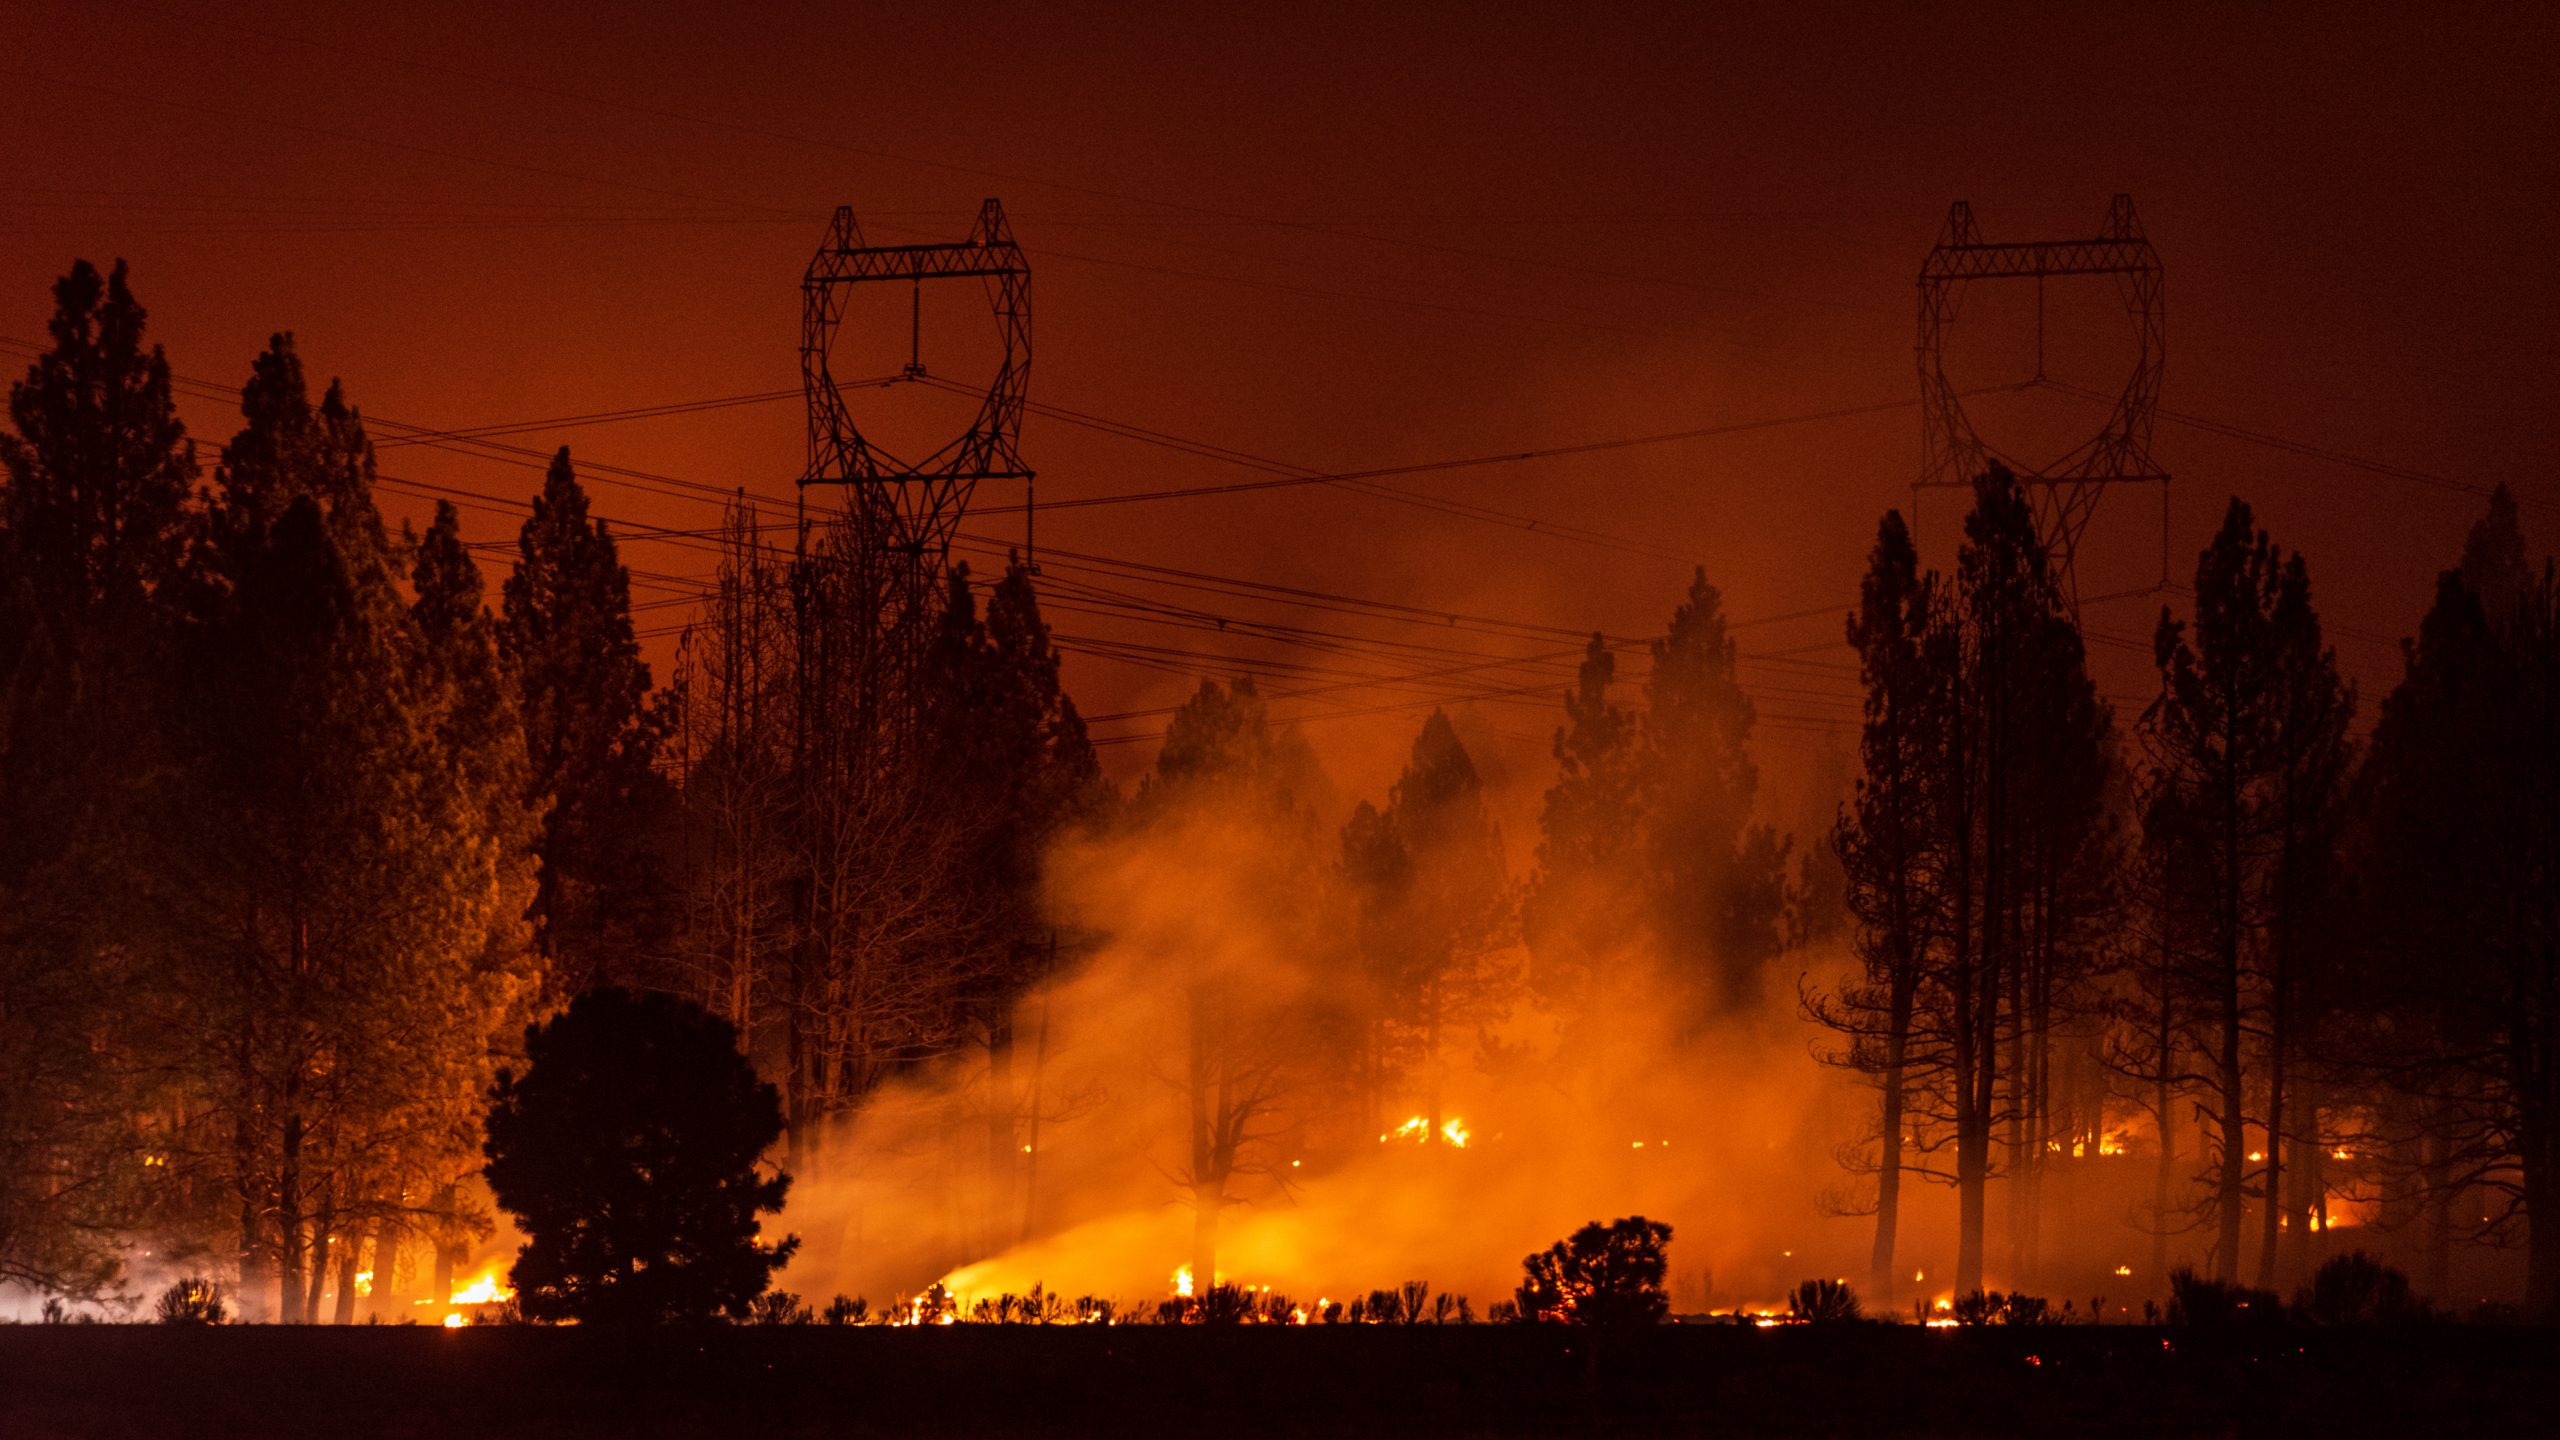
627 1152
1432 910
1716 881
2248 751
1892 845
1224 820
92 529
339 892
1608 1275
2459 863
591 736
1582 913
1011 769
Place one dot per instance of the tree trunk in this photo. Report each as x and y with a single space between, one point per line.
1882 1272
251 1291
350 1264
289 1228
322 1242
1004 1145
387 1296
443 1279
1207 1197
2163 1100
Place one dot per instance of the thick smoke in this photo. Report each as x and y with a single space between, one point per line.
1725 1128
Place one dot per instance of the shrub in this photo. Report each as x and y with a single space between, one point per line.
1980 1307
2198 1303
2357 1289
1228 1304
1602 1275
1824 1302
846 1310
192 1302
638 1107
779 1307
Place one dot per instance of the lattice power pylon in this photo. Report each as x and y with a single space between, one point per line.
2066 491
900 515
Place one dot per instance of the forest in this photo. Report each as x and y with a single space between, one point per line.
304 820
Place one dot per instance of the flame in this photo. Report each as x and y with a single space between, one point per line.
483 1289
1182 1282
1418 1130
2124 1269
453 1321
364 1282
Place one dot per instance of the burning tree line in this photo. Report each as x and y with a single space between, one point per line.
2326 971
300 832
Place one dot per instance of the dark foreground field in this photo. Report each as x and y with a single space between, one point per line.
499 1383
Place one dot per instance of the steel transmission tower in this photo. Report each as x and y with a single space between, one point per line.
2065 491
883 560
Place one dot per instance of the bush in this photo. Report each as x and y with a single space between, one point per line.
2357 1289
1228 1304
2197 1303
779 1307
637 1107
192 1302
1990 1307
1602 1275
1824 1302
846 1310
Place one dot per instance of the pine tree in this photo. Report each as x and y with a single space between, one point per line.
1892 849
1223 823
591 737
1433 912
340 890
2020 852
1005 755
1716 880
1581 914
2248 741
92 528
2460 871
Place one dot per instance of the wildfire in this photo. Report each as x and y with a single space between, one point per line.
1182 1282
2124 1269
484 1289
364 1282
1418 1130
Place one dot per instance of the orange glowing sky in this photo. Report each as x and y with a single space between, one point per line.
1359 237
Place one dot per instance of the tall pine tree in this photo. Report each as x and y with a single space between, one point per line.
591 738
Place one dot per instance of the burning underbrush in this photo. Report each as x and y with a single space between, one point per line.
1089 1162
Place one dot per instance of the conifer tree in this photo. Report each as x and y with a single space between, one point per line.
591 736
2247 742
1716 879
1006 758
1581 913
1224 829
1892 849
2459 866
341 895
1433 911
92 528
